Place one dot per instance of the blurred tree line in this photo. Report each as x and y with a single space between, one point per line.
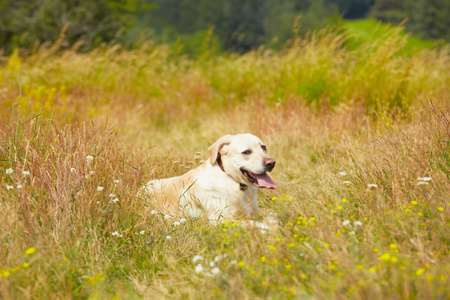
245 24
197 24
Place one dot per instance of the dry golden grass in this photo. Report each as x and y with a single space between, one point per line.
137 112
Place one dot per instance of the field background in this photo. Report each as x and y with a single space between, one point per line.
355 124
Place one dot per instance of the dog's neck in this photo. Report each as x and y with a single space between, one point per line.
242 186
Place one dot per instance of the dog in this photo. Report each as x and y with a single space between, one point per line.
224 186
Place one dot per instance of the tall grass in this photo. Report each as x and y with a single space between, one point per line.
316 69
354 134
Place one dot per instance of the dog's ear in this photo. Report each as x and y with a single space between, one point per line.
214 149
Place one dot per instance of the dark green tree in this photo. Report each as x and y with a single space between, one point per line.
24 22
392 11
429 18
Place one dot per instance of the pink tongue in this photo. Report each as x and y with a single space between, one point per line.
265 181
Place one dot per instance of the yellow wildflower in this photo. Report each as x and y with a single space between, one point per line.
331 267
420 271
30 250
4 273
385 256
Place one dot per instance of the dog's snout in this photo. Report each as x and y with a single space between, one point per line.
269 163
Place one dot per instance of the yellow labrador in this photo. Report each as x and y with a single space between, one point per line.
224 187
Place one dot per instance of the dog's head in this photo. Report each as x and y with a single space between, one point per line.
244 158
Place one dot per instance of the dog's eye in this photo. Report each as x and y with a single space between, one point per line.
247 152
263 147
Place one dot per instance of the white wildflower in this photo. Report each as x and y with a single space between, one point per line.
142 232
9 187
111 195
197 258
424 178
357 223
233 262
86 176
89 158
26 173
115 200
73 170
198 269
176 223
347 182
422 183
351 233
346 222
117 181
343 173
215 271
91 173
100 188
261 225
212 264
115 233
19 186
9 171
372 185
153 212
167 217
168 237
183 220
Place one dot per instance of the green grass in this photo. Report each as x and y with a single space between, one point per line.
367 30
337 121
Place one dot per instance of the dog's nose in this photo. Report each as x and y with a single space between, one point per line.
269 163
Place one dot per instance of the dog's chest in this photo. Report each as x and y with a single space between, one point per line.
222 201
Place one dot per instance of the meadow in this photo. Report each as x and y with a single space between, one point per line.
360 135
